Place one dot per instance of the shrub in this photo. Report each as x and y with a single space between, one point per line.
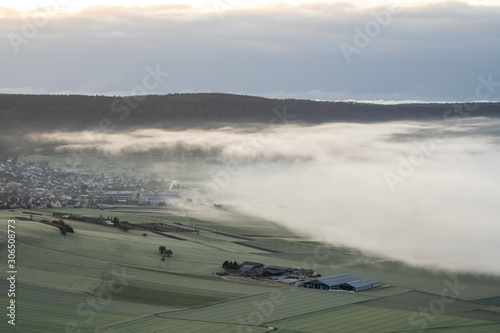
59 222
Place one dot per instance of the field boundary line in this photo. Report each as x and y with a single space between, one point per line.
159 314
209 321
105 327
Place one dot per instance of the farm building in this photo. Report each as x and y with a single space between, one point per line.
361 285
306 272
281 268
330 282
246 268
343 282
273 272
374 283
250 270
251 263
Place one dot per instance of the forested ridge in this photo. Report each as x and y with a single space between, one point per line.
77 112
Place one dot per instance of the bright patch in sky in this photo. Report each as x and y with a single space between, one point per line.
75 5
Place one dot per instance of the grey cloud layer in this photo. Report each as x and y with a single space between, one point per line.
433 52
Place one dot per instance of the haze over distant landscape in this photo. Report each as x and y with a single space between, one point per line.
331 50
407 182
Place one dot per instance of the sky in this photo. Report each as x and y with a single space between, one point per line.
325 50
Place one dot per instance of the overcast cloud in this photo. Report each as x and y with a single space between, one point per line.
433 52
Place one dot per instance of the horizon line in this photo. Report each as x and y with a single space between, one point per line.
349 100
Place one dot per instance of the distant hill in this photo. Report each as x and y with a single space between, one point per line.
77 112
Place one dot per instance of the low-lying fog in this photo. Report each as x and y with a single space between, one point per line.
427 193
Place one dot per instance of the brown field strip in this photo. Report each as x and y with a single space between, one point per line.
256 247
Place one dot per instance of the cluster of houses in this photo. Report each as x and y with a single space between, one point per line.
255 269
29 185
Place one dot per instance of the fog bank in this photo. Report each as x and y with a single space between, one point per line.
422 192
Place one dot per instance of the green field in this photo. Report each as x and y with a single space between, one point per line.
355 318
272 306
45 309
102 279
155 324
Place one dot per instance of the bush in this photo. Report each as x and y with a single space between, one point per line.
63 227
59 222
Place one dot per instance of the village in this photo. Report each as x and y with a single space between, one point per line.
30 185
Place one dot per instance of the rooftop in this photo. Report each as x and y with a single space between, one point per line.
337 279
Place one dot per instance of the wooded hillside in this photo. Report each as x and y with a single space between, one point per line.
77 112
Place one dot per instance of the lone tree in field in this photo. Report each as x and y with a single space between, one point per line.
164 252
59 222
63 227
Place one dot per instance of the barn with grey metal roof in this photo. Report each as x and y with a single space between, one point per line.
344 282
358 285
361 285
331 282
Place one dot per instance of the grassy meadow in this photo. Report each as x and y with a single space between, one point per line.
102 279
